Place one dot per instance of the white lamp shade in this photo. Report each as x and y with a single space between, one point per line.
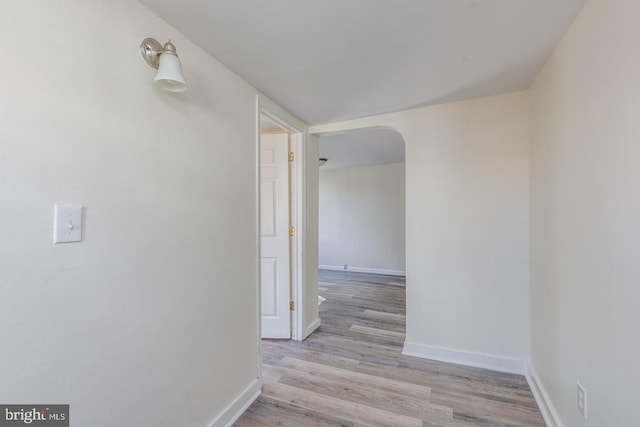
169 76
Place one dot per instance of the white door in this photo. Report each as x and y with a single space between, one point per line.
274 239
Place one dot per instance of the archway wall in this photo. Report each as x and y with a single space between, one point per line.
467 228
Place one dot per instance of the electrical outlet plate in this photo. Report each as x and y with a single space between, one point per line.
582 400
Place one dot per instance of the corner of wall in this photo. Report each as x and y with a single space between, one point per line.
542 398
235 409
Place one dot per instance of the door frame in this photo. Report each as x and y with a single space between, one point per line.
298 131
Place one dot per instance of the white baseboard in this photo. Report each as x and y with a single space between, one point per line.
382 271
312 327
549 412
477 360
235 409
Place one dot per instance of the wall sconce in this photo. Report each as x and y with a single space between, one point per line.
322 161
165 60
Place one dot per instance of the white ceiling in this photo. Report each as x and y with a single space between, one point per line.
362 147
331 60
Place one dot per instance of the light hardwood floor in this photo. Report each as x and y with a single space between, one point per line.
351 371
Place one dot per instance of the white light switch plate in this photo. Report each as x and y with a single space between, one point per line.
67 224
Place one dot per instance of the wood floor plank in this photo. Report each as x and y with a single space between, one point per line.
351 372
396 283
394 396
364 351
267 412
326 283
344 375
377 332
382 315
486 407
283 349
342 408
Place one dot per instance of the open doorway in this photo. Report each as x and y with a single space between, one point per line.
362 202
362 236
271 118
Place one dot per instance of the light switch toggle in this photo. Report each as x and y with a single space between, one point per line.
67 224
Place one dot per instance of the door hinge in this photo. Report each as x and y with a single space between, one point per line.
291 156
292 231
292 306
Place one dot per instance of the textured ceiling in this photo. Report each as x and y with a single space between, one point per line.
333 60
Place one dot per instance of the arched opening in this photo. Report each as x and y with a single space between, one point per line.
362 235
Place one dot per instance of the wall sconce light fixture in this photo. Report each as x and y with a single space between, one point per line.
165 60
322 161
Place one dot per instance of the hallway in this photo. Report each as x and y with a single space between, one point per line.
351 372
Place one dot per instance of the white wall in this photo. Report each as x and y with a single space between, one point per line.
362 218
467 225
585 248
152 319
310 254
